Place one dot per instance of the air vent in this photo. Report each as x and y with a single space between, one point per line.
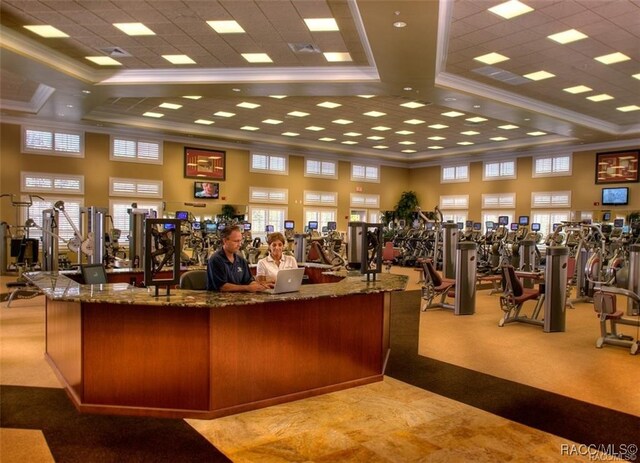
304 48
115 52
501 75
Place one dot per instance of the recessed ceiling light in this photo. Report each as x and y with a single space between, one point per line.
352 134
315 128
236 90
349 142
414 121
337 57
223 114
435 147
406 142
626 109
171 106
204 121
152 114
491 58
601 97
409 151
103 60
407 89
412 104
380 147
365 96
226 27
405 132
134 29
470 133
476 106
326 139
508 127
69 106
248 105
380 128
498 138
437 138
250 128
536 134
290 134
278 97
612 58
453 114
636 76
465 143
321 24
178 59
374 114
450 98
329 104
86 92
342 121
577 89
510 9
438 126
569 36
298 114
375 138
539 75
476 119
192 97
48 32
257 57
272 121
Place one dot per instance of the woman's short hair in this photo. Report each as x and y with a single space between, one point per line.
277 236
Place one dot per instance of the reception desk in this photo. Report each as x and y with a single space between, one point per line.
117 349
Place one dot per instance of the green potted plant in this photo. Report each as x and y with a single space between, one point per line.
406 206
228 211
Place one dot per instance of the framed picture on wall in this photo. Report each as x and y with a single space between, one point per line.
204 164
617 167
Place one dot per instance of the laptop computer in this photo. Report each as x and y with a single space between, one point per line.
288 281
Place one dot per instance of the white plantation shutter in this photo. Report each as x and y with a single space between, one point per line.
501 200
365 172
269 195
359 200
545 166
454 202
52 142
136 150
320 198
546 199
320 168
41 182
269 163
135 187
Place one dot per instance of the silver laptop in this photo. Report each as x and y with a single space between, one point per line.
288 281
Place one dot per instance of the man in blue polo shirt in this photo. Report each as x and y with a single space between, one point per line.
228 271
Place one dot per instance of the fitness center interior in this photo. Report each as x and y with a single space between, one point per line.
457 177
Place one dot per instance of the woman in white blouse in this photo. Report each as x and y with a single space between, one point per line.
269 267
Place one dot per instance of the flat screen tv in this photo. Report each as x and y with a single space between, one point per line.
206 190
332 226
606 216
618 223
468 223
503 220
477 226
313 225
523 220
514 226
535 227
489 224
269 229
182 215
247 226
210 227
615 196
196 226
289 225
460 225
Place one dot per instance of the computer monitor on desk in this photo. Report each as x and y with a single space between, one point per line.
94 274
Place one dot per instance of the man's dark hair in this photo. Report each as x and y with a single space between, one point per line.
224 234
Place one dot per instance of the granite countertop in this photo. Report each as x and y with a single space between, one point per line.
57 286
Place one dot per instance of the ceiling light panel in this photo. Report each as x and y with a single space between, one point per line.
321 24
491 58
337 57
103 60
134 29
329 105
539 75
170 106
569 36
48 32
178 59
298 114
374 114
226 27
612 58
600 97
224 114
203 121
256 58
248 105
412 104
577 89
626 109
510 9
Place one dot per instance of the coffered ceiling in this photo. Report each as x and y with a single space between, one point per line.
423 80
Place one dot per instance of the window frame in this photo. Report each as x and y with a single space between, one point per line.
25 149
321 161
456 178
553 173
551 204
53 177
366 177
500 176
113 138
137 193
269 192
269 170
499 204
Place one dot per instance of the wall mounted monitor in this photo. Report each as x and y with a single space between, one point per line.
206 190
523 220
615 196
313 225
477 226
460 225
514 226
269 229
210 227
489 224
332 226
503 220
606 216
196 225
618 223
535 227
468 223
182 215
289 225
246 226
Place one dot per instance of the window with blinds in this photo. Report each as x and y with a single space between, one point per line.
120 215
360 200
499 170
365 172
547 199
320 168
132 187
268 195
320 198
136 150
454 202
65 229
270 163
457 173
499 200
549 166
40 182
52 142
261 216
